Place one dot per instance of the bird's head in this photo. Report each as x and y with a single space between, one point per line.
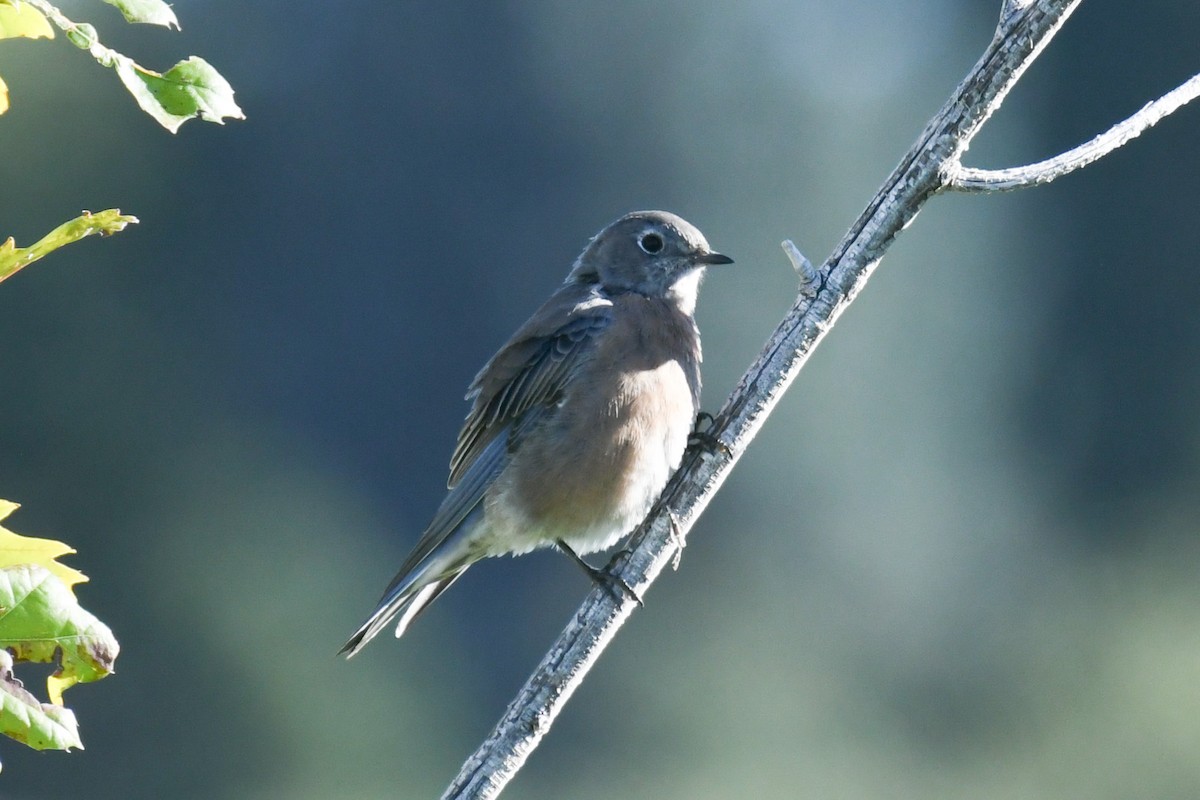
654 253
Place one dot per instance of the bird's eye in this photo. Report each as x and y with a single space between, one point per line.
650 243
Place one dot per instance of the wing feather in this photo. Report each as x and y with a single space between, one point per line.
531 370
511 395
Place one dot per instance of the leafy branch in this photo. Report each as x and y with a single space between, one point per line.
190 89
40 619
105 223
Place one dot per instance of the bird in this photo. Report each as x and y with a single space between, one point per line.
577 422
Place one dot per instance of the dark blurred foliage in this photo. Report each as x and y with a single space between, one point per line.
960 560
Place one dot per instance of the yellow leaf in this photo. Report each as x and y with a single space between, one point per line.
55 686
23 21
3 96
16 549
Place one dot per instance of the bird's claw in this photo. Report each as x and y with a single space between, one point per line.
604 578
702 437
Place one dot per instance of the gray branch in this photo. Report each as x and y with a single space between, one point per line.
968 179
929 167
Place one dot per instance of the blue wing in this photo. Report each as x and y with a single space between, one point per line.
511 394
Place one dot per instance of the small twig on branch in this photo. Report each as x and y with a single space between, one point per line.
968 179
810 279
932 165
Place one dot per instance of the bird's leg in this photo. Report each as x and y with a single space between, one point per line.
701 435
601 577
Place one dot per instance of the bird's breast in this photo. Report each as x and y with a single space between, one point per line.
598 463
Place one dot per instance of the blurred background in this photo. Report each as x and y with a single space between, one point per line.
960 561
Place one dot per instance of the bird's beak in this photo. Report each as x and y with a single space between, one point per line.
711 258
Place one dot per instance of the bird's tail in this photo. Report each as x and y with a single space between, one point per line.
403 602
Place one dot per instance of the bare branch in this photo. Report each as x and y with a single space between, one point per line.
1024 30
968 179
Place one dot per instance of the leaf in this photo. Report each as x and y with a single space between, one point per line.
191 88
3 96
16 549
154 12
42 726
13 258
23 21
41 621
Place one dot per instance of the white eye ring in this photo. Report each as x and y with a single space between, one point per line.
650 243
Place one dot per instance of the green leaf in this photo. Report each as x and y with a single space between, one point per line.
42 726
41 621
13 258
24 21
155 12
191 88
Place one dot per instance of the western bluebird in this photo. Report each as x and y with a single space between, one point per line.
578 421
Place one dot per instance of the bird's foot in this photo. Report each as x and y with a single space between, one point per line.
702 436
604 578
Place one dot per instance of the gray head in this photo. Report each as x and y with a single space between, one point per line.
654 253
